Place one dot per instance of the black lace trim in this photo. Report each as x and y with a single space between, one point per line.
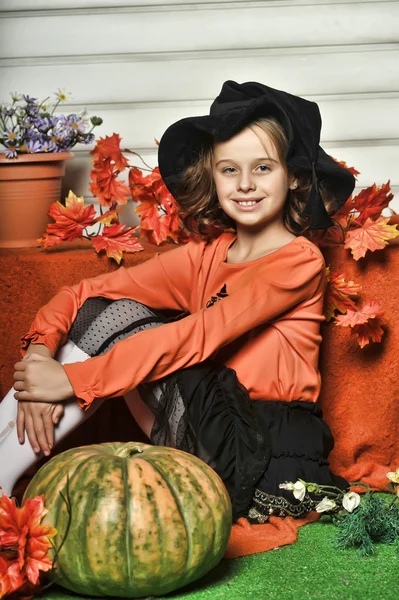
266 505
320 461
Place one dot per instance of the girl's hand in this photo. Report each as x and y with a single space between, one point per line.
38 349
38 418
40 378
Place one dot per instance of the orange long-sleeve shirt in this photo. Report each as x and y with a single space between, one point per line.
261 318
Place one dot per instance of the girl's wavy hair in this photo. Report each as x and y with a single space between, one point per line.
198 201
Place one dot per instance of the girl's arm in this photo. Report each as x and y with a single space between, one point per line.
163 282
154 353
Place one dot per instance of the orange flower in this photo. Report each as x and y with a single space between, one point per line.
24 542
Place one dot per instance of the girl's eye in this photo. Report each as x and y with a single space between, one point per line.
228 170
264 168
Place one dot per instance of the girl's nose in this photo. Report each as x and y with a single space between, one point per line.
245 182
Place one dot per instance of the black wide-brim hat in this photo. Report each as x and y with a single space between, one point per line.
235 107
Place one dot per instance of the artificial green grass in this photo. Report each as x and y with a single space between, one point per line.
309 569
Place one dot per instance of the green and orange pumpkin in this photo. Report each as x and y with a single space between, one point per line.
132 519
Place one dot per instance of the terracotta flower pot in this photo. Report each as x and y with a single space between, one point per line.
29 184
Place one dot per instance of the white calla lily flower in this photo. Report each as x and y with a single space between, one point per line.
394 475
325 505
287 485
299 490
350 501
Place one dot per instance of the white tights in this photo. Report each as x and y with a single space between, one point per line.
16 458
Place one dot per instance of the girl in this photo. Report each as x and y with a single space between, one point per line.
231 374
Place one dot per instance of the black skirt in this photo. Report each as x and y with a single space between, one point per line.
254 446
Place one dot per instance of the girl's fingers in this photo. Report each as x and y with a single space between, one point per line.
21 423
48 429
30 431
58 411
41 432
19 375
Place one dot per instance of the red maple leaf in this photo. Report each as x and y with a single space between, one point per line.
365 322
70 220
343 164
149 187
117 239
372 235
105 186
370 202
24 542
337 296
109 147
10 575
50 240
369 310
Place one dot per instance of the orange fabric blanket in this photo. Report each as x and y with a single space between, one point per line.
360 387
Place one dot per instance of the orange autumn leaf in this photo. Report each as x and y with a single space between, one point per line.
149 187
370 202
117 239
332 236
343 164
369 332
50 240
10 576
153 226
70 220
372 235
139 188
110 216
105 186
365 322
22 535
369 310
337 296
109 147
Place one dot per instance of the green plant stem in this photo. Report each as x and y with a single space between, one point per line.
366 485
342 230
140 157
55 106
41 103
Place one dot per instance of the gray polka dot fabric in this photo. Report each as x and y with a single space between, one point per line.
99 325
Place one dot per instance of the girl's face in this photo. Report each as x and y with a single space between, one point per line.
246 168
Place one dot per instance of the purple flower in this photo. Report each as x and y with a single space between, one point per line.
33 146
31 134
9 112
49 146
10 136
88 139
32 110
43 125
29 100
11 151
74 122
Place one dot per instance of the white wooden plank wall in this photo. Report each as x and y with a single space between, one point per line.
141 65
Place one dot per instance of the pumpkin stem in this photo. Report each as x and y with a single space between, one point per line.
130 449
